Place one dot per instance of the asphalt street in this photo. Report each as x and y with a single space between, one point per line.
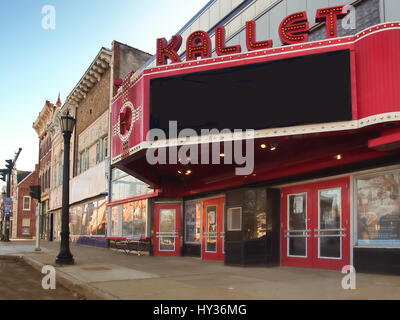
19 281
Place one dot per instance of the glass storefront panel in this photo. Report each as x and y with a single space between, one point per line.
330 213
100 224
211 229
133 219
193 211
114 230
88 219
140 217
378 209
127 219
124 186
167 229
297 225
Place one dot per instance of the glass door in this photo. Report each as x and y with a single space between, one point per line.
213 229
296 227
331 239
316 225
167 226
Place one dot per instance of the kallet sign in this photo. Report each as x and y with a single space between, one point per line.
293 29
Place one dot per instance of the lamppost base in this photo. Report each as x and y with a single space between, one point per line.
65 260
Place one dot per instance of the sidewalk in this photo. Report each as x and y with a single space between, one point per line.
101 273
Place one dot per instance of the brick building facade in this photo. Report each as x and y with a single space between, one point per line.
24 218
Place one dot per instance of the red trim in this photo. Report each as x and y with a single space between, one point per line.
154 194
387 137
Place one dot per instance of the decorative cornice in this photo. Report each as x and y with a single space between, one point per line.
40 124
91 77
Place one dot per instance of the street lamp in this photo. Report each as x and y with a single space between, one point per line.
67 126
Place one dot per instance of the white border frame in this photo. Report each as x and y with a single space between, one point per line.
23 203
216 224
159 226
287 225
341 223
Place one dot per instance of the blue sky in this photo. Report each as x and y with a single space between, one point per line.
36 64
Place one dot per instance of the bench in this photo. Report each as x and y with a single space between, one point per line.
130 244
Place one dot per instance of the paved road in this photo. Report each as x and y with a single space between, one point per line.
18 281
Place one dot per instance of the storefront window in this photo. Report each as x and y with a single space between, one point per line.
99 225
114 232
124 186
140 217
134 219
88 219
193 221
378 209
127 219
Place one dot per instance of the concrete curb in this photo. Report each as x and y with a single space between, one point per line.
74 285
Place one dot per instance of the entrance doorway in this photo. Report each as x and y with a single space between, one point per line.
167 229
316 225
213 229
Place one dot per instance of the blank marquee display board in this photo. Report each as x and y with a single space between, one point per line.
302 90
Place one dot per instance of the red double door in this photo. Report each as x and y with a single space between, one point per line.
167 229
315 229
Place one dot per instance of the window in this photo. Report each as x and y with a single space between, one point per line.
378 209
88 219
234 219
193 211
48 178
105 147
86 160
27 203
83 161
98 151
60 169
26 224
78 164
115 213
124 186
129 219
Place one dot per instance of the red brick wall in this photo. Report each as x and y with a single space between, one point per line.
24 190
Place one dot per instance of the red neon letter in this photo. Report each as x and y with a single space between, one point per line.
220 48
251 42
294 28
168 50
198 45
330 16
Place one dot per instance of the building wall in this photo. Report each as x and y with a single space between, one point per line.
22 191
391 9
90 109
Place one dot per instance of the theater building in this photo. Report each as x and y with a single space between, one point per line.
315 183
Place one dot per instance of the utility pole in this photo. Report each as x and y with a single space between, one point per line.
10 166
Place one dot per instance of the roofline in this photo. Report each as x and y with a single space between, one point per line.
79 90
25 177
